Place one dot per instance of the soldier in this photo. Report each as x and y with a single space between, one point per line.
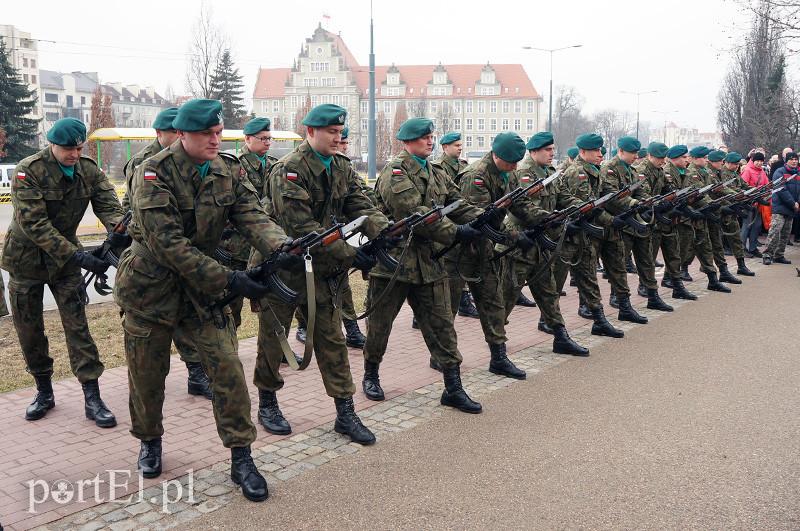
482 183
197 383
614 175
716 228
693 231
664 236
640 156
572 154
730 170
408 184
310 187
50 192
577 251
183 197
534 266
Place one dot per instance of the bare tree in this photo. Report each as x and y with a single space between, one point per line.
782 15
612 124
568 121
400 116
418 108
205 51
102 116
301 112
383 139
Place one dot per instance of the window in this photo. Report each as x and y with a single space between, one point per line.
506 106
480 141
314 101
364 125
505 124
487 91
320 66
393 79
83 100
529 106
294 102
325 99
310 82
393 91
387 107
69 102
469 124
469 106
517 124
51 116
335 99
440 91
264 106
25 78
344 101
529 124
328 82
440 78
481 107
481 124
445 106
493 106
33 79
25 62
493 124
276 105
468 141
517 106
364 107
457 106
457 124
33 63
433 107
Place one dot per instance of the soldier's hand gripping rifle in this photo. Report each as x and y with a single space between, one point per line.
684 206
497 209
266 272
117 240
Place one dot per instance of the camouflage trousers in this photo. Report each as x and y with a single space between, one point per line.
780 229
584 271
731 231
431 306
717 247
538 274
346 304
643 257
666 239
147 348
488 294
3 306
613 254
694 241
26 296
330 349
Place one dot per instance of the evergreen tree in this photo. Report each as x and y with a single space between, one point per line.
227 86
16 103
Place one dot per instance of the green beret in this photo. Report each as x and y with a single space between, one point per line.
642 153
414 128
589 141
449 138
198 115
540 140
733 157
614 152
67 132
629 144
603 150
676 151
163 121
256 125
509 146
716 156
699 152
345 133
572 152
325 115
657 149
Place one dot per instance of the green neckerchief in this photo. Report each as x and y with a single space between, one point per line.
68 171
326 160
202 169
625 164
682 171
422 162
504 176
263 159
596 167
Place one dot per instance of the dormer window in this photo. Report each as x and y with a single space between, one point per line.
439 78
487 75
393 79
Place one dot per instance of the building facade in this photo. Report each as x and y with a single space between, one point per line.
478 100
66 94
690 136
23 53
134 106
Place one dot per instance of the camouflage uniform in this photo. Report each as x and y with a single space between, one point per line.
405 187
730 224
167 279
39 245
616 174
715 230
3 304
451 166
664 237
305 198
693 234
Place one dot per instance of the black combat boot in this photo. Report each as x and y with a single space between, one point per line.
348 423
629 267
150 458
572 282
716 285
655 302
298 359
300 335
354 337
198 383
685 276
585 312
602 327
667 282
563 344
270 415
781 260
466 307
454 394
372 382
613 301
628 313
726 276
94 407
44 401
542 326
658 263
641 290
245 474
522 300
500 364
414 323
742 268
679 291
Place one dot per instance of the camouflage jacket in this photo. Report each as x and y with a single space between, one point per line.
178 218
41 239
615 174
697 177
451 166
255 171
404 187
658 183
715 176
305 198
739 183
677 175
582 180
130 168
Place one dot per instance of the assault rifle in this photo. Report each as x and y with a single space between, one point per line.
110 255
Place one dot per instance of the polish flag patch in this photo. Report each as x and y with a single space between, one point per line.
478 182
641 176
525 179
611 172
397 171
582 176
291 176
150 176
21 176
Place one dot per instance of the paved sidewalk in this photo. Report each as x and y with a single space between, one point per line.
65 446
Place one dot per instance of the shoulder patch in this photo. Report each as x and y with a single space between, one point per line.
478 182
291 176
582 176
610 171
21 175
150 175
525 179
397 171
641 176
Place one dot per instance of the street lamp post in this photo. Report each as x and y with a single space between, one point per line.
371 154
666 114
638 95
551 51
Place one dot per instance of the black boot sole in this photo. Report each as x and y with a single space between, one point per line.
42 415
730 281
101 423
471 411
499 372
605 333
373 396
354 344
747 274
149 475
251 498
719 289
198 391
632 319
570 351
684 297
660 308
273 431
341 430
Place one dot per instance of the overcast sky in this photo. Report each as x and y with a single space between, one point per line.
679 48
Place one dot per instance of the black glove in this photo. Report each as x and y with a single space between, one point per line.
364 261
664 206
289 261
90 262
120 240
240 283
466 233
646 215
728 211
497 216
572 228
692 214
525 243
713 207
618 222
